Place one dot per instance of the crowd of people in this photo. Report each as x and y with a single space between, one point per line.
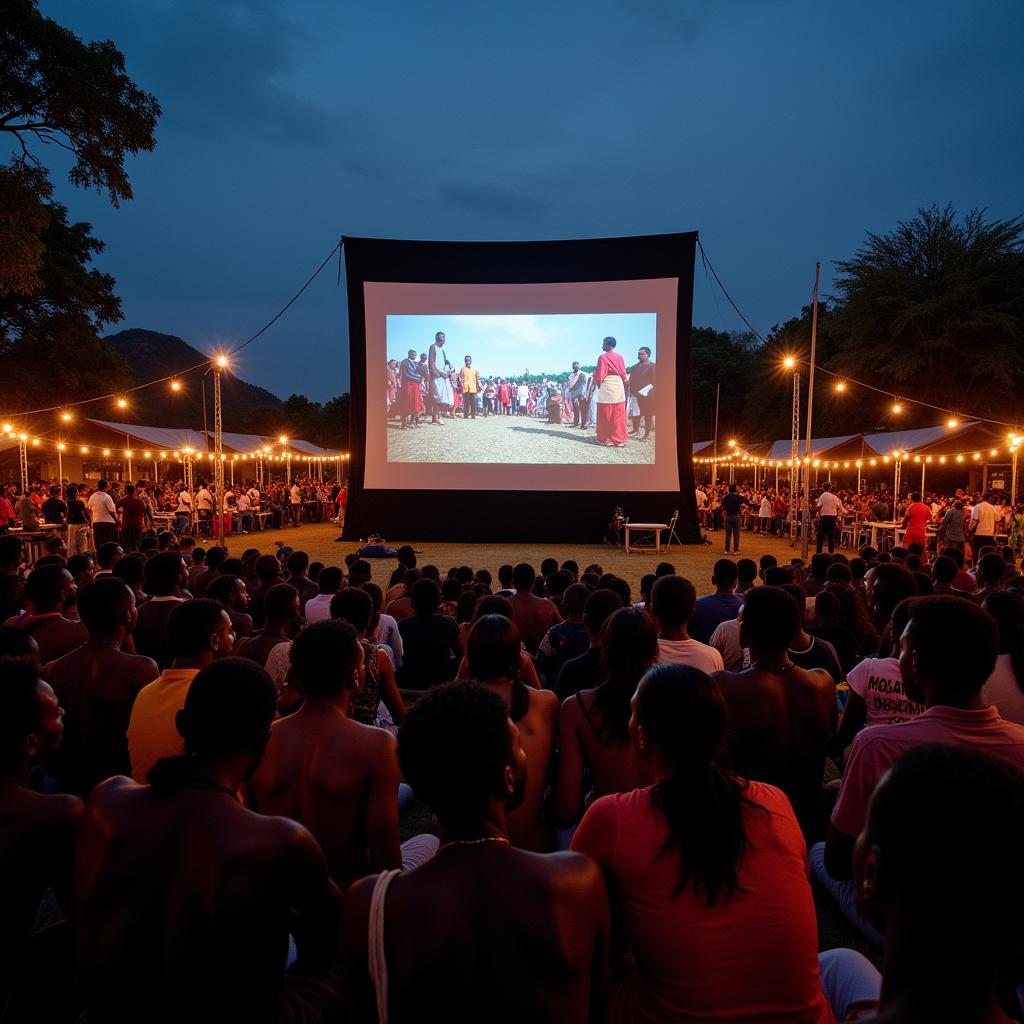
612 398
91 515
207 756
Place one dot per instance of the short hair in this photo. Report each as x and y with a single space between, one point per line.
19 686
425 597
574 600
610 342
279 602
297 561
505 575
10 548
770 619
221 588
819 564
868 553
523 576
766 562
600 605
107 554
354 606
672 600
325 655
360 571
559 582
955 642
101 604
163 573
190 625
944 569
777 575
953 811
839 571
17 643
991 568
268 568
664 569
493 604
451 589
131 569
465 606
453 748
725 572
570 565
330 579
77 564
548 566
44 586
198 554
746 570
890 584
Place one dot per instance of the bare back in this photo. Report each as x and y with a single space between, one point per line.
614 767
490 933
780 724
537 731
183 904
338 778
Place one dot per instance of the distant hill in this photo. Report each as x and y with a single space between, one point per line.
151 355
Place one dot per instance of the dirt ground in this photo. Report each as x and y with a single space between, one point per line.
509 440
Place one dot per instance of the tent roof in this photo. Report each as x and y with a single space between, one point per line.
311 449
913 440
784 449
699 446
169 438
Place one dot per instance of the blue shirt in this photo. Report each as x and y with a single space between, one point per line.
710 611
410 370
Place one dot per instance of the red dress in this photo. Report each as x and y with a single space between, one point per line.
610 377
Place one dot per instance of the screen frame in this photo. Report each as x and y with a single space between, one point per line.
578 516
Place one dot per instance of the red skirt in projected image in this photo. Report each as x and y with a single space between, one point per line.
611 422
412 398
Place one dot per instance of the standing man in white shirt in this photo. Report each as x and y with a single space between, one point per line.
204 504
104 515
244 512
183 513
295 499
983 525
829 510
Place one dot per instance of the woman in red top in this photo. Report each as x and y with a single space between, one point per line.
916 520
610 376
710 874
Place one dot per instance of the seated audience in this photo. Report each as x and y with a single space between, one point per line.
672 602
584 672
165 579
532 615
430 641
280 623
184 898
1005 686
318 608
493 658
96 685
707 873
567 639
714 608
333 774
781 717
481 921
230 590
593 725
49 592
808 651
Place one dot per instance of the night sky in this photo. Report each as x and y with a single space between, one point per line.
781 131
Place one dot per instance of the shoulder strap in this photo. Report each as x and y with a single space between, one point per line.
375 945
586 714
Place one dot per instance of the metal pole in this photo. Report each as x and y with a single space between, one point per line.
805 539
60 468
1013 479
922 481
714 460
794 467
218 457
23 464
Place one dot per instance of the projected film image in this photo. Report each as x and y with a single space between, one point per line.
543 389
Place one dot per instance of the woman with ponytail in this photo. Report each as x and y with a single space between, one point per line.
1005 687
709 872
594 724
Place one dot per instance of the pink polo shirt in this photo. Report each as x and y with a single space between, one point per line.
877 748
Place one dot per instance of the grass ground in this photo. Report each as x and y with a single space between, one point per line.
693 561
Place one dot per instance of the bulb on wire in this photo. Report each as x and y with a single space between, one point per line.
897 407
841 386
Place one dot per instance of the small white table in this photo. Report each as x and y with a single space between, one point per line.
654 528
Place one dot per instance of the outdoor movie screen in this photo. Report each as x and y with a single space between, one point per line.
565 386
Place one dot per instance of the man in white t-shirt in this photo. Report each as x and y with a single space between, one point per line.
104 515
295 500
878 682
183 513
829 510
672 602
983 525
244 512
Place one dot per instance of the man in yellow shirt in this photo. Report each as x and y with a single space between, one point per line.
199 631
470 377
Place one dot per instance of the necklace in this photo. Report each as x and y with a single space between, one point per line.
208 786
475 842
782 666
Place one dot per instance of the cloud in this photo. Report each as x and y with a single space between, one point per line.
524 329
492 199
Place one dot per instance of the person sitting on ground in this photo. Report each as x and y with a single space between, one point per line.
383 627
318 609
199 585
406 558
714 608
585 672
505 588
106 555
37 843
198 631
818 573
449 935
131 569
810 651
829 627
672 603
165 579
50 591
746 575
887 585
532 615
377 676
567 639
328 771
991 569
940 814
196 568
297 565
492 657
877 696
947 652
781 716
185 898
430 641
12 583
400 607
1004 688
494 605
268 572
708 871
944 572
281 619
230 591
96 685
594 724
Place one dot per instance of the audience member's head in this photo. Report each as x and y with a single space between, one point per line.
106 607
31 722
724 575
354 606
425 597
326 656
769 622
523 577
673 601
198 632
165 574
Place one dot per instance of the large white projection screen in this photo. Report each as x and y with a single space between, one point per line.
519 336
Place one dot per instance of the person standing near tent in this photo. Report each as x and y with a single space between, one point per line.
610 378
440 383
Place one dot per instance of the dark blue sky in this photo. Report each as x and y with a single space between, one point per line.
781 131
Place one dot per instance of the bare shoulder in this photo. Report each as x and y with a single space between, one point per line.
287 836
544 701
573 875
111 794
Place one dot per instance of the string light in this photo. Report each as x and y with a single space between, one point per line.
66 417
175 385
122 403
840 386
897 407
